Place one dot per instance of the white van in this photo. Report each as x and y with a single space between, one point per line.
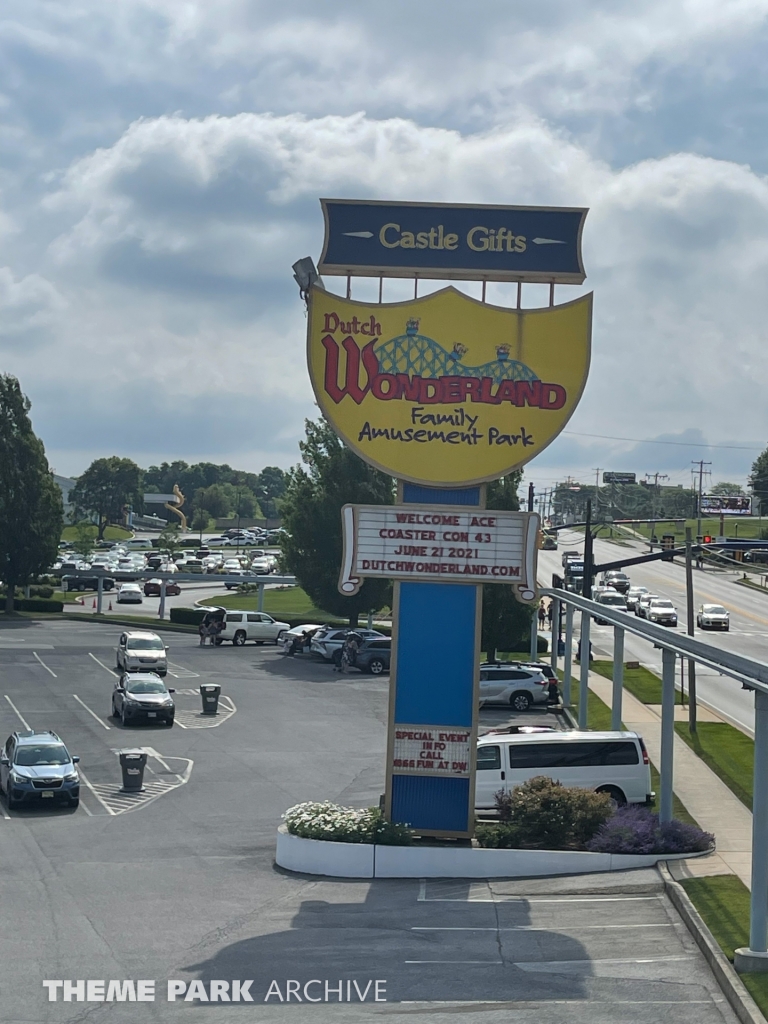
608 762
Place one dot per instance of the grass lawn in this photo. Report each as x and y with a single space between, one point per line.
734 526
728 752
292 601
641 682
723 902
111 533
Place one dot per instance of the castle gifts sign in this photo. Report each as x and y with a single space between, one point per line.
439 543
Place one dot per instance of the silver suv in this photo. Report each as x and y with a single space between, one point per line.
141 651
514 684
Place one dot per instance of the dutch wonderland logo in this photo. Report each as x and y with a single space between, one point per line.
482 388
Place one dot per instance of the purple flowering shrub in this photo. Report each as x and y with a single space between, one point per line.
636 829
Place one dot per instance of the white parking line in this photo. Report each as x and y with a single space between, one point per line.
91 713
44 665
22 719
85 780
532 928
112 672
185 672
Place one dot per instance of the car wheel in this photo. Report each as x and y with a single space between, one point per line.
123 719
74 801
376 666
280 637
113 713
521 701
169 723
239 638
615 794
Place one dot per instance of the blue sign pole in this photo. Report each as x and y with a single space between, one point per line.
434 687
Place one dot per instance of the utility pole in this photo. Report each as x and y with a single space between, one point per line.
586 588
598 470
701 464
689 603
530 496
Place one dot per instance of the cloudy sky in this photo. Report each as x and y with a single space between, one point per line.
162 163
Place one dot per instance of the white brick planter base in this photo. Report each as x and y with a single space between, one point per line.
360 860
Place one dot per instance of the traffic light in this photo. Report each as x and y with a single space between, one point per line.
706 539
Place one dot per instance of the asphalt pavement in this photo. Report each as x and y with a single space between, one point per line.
179 883
748 634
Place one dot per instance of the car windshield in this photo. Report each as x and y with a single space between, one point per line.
612 599
662 604
148 643
146 686
48 753
714 609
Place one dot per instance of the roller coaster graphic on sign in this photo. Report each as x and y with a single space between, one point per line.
417 355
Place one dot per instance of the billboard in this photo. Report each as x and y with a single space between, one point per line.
725 505
619 478
446 390
432 542
452 242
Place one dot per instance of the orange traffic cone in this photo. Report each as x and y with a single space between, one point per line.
110 606
94 603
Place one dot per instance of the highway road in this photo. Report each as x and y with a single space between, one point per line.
748 634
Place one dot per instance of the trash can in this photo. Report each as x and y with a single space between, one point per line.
132 764
561 648
210 695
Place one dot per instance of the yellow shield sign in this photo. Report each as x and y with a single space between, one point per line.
446 390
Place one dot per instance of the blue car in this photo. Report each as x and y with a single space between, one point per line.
36 766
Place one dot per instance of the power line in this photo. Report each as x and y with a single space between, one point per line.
679 444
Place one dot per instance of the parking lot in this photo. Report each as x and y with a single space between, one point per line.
180 882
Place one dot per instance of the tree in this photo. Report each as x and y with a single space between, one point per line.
270 489
31 508
311 511
168 542
85 538
106 488
759 479
723 487
506 621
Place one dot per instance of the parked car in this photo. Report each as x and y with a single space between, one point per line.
221 542
713 616
299 633
86 583
130 593
139 650
662 611
616 763
641 607
240 626
143 696
152 588
243 575
515 685
36 765
264 565
633 596
328 641
373 655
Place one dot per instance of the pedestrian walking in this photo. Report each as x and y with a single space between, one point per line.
549 614
542 615
202 632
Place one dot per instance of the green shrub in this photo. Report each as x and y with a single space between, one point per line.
544 814
37 604
46 592
331 823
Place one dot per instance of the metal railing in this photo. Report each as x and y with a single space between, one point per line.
673 645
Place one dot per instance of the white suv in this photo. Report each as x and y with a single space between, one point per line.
258 626
513 684
141 651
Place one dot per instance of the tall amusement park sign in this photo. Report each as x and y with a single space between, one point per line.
444 392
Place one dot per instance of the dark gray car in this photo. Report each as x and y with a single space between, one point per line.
143 697
374 655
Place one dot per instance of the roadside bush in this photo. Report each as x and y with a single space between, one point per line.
544 814
332 823
46 592
638 830
37 604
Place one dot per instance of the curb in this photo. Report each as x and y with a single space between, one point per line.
742 1003
109 620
